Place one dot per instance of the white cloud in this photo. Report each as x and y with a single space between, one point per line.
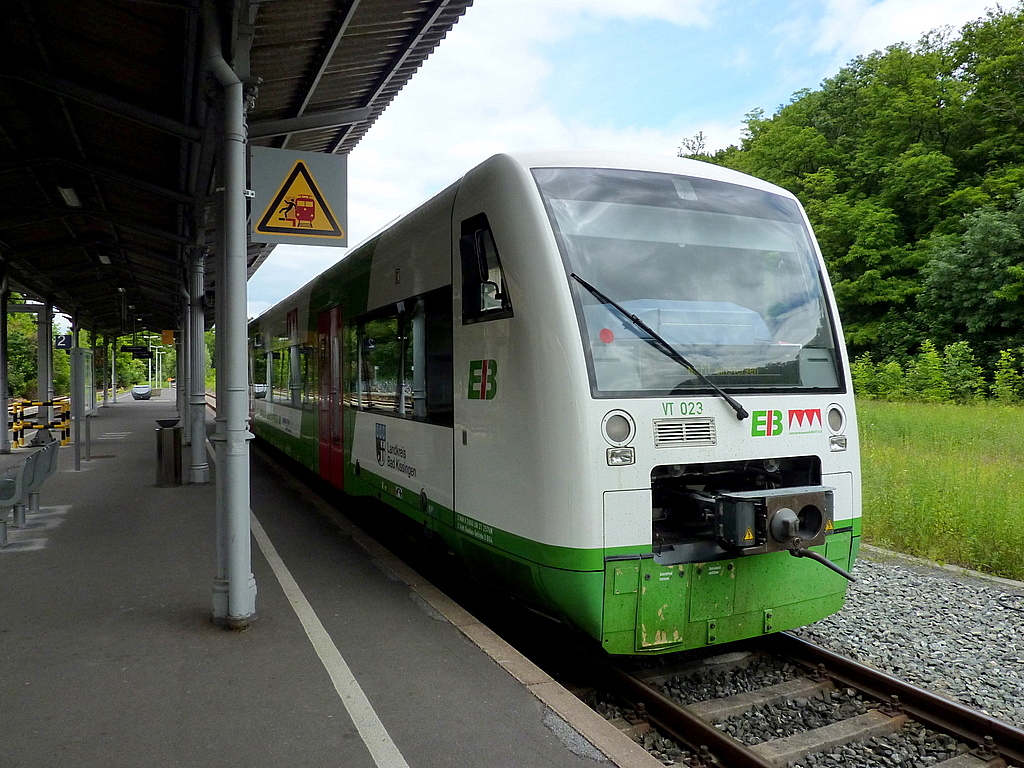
851 28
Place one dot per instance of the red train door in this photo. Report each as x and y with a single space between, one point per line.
331 434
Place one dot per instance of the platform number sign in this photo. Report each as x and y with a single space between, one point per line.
64 341
483 379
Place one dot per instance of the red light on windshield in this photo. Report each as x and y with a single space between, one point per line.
606 335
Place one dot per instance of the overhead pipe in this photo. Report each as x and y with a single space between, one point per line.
233 531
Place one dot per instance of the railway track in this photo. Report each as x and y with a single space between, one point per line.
881 705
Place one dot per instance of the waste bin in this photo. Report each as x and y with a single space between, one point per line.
168 453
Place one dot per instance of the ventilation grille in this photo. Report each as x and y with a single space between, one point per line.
674 433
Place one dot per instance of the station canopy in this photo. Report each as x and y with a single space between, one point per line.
109 142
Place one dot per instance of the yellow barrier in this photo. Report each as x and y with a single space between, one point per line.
21 421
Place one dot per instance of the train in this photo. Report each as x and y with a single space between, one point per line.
614 386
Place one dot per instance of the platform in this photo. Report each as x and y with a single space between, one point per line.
108 656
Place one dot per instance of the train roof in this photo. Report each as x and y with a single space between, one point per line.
635 161
575 158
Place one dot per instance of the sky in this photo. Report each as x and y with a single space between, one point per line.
638 76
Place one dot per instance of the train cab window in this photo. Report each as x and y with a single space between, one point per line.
484 293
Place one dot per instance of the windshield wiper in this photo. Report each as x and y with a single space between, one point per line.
659 343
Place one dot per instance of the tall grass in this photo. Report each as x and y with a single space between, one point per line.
945 482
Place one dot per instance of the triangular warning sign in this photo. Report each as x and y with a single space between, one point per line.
829 526
749 535
299 208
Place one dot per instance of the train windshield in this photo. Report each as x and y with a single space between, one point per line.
724 273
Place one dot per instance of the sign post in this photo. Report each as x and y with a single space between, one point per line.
83 398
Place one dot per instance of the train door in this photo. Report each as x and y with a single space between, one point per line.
331 435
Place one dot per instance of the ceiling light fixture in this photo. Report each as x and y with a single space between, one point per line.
70 196
104 259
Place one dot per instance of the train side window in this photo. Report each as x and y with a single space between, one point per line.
385 364
484 293
292 375
402 360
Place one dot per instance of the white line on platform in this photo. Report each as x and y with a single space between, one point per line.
371 729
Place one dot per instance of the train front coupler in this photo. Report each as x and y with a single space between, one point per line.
775 520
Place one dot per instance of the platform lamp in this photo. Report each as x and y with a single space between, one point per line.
70 196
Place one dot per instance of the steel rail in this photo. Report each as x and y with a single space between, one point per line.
679 723
941 713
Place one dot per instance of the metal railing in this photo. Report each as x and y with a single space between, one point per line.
22 423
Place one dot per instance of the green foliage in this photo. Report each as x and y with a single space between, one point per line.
21 355
971 289
892 384
926 378
909 162
1008 383
964 377
210 337
61 372
865 377
953 376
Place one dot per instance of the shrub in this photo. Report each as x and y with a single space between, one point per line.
925 379
865 376
964 376
1007 384
890 381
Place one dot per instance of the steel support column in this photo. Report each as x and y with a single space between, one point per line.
44 359
104 375
199 469
5 435
233 446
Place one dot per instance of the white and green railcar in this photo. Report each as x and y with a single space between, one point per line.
614 385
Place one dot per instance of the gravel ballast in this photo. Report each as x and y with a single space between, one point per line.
947 630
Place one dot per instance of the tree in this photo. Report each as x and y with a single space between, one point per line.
973 283
21 355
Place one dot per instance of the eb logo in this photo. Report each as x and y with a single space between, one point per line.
483 379
766 423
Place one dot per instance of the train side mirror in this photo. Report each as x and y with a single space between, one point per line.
483 292
474 265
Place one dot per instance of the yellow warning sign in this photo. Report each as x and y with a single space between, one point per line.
749 535
299 208
829 526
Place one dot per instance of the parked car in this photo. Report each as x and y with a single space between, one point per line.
142 392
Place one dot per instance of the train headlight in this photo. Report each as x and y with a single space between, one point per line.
836 418
618 428
620 457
